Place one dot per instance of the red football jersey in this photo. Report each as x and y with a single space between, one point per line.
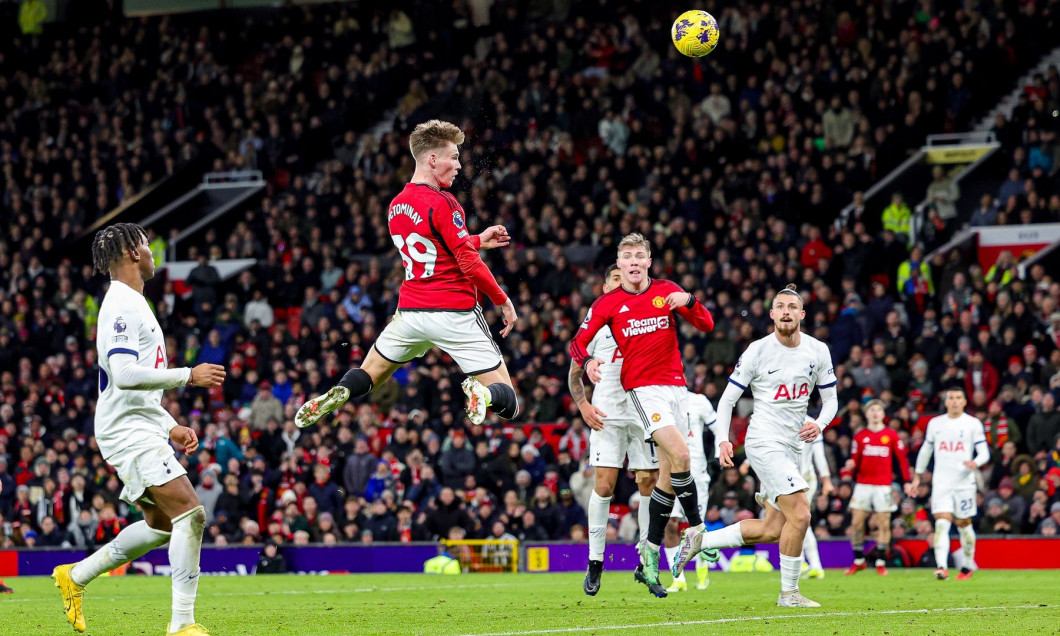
645 331
874 455
427 226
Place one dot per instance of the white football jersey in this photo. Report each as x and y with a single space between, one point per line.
952 443
781 380
608 391
126 417
700 415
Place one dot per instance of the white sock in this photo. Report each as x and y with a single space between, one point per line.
790 568
727 537
671 555
184 550
131 543
942 543
644 516
967 534
809 550
599 508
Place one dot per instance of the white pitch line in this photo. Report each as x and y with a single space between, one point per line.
715 621
353 590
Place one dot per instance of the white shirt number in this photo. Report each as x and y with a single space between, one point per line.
416 249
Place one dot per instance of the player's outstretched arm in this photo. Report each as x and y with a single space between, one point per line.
130 376
593 416
721 427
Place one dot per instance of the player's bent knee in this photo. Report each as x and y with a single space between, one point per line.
604 490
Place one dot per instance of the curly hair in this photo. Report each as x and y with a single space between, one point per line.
113 241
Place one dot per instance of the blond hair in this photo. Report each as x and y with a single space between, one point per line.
636 239
433 135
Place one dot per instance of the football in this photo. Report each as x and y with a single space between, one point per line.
695 33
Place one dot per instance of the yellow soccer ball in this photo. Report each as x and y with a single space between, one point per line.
695 33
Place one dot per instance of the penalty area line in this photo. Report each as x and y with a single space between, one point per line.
778 617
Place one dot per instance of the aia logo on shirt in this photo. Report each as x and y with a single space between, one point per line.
648 325
951 447
793 392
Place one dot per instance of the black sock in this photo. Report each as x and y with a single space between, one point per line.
660 506
685 490
859 552
358 382
503 401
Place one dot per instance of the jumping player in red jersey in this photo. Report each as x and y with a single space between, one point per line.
873 453
438 304
640 313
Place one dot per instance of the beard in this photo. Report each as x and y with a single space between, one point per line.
786 328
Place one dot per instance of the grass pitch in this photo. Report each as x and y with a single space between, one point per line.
906 602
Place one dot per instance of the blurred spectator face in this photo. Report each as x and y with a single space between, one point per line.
446 496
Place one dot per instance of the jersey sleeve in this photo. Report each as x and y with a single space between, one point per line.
705 411
744 371
898 448
122 334
448 223
595 320
694 312
825 371
855 453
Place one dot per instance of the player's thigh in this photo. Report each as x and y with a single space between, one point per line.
465 336
175 497
671 445
777 468
858 517
657 408
378 367
945 501
499 375
402 339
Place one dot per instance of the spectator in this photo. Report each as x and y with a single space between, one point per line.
897 218
943 193
265 407
325 491
359 467
208 492
258 310
457 461
270 561
980 376
986 214
575 442
448 513
1043 429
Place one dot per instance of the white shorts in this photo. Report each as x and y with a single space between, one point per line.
461 334
872 498
144 465
621 438
777 467
959 502
658 406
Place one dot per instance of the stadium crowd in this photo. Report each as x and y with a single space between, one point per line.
583 124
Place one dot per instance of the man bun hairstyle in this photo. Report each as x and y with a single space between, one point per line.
433 135
113 241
